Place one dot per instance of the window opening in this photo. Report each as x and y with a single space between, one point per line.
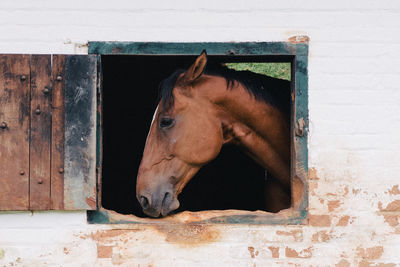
130 92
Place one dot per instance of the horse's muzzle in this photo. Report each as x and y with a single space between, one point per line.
158 202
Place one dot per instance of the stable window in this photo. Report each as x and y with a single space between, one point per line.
232 185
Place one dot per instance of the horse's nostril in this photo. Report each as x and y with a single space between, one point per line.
165 199
145 202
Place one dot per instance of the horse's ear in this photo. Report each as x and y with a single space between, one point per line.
197 69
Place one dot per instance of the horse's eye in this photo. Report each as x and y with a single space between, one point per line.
166 122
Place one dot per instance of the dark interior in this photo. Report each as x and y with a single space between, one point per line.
130 91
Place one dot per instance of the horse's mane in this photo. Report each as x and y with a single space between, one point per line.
273 91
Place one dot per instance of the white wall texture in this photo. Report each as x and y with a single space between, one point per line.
354 141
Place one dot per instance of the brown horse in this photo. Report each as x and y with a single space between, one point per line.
202 109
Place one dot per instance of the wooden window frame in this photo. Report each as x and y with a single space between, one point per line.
297 53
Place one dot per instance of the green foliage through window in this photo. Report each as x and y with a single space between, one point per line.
276 70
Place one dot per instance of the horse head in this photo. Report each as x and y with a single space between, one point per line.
184 135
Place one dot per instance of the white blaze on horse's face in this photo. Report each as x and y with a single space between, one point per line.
152 121
181 140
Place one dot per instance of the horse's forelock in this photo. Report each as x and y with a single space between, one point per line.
166 88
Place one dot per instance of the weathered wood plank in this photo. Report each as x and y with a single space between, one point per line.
80 132
40 137
57 133
300 149
99 132
14 132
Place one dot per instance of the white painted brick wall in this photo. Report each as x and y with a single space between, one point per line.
354 144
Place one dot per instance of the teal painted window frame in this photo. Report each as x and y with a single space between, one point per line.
297 53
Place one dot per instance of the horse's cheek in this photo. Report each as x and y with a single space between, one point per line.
209 149
212 143
202 149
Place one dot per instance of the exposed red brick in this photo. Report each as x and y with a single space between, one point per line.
297 234
315 237
117 259
324 237
312 186
343 263
299 39
274 252
189 234
392 206
333 204
343 221
292 253
346 191
321 236
392 220
253 253
395 190
374 264
312 174
104 251
102 235
319 220
371 253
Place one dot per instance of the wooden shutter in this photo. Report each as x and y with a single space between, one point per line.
48 132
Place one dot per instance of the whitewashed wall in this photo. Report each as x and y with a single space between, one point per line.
354 143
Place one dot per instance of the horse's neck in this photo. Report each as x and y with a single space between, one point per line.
260 129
